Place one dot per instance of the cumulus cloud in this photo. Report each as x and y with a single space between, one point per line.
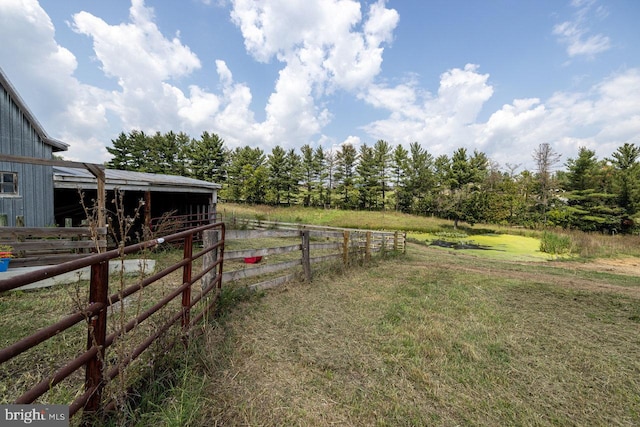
575 34
442 121
44 71
323 45
602 118
145 65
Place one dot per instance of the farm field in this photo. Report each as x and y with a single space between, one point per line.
502 335
431 338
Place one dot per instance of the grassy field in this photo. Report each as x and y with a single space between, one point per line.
431 338
434 337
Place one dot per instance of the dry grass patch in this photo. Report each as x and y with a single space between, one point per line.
419 341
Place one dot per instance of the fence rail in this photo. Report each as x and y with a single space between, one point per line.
306 247
344 245
96 312
36 246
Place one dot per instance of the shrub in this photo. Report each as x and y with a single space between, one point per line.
555 244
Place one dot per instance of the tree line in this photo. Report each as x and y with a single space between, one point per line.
589 194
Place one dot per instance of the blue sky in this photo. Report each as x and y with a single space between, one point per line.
499 76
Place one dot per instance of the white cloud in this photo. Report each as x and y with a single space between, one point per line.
322 50
602 119
441 122
322 47
136 53
575 33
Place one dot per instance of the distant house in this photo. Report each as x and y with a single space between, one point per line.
26 190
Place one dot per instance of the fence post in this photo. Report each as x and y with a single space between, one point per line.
96 334
186 278
367 248
395 241
209 239
306 257
345 248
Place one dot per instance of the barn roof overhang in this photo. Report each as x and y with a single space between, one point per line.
74 178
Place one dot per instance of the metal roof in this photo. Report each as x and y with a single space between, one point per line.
74 178
13 93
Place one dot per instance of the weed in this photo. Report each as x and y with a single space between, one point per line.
555 244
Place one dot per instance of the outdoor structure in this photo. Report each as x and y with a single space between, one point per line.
37 190
161 194
26 189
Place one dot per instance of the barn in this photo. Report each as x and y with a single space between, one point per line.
26 189
191 199
38 191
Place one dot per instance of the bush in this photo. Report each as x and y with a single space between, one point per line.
555 244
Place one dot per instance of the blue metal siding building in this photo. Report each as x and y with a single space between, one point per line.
26 190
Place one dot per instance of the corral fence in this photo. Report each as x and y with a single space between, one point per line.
100 308
170 223
287 251
316 245
36 246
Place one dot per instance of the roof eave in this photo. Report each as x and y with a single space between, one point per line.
15 96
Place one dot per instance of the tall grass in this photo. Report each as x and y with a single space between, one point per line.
555 244
432 339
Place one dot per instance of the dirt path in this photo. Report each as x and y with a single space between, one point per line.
621 266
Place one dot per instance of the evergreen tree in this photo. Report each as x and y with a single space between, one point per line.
582 171
247 175
346 158
278 176
122 151
131 152
293 173
382 160
330 167
625 163
400 165
367 178
208 158
319 175
420 179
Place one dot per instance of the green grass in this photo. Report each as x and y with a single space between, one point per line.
433 338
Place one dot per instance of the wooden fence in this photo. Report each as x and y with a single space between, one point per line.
317 244
314 244
51 245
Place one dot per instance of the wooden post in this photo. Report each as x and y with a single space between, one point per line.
306 258
98 172
395 241
367 248
147 213
209 239
97 332
345 249
404 242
